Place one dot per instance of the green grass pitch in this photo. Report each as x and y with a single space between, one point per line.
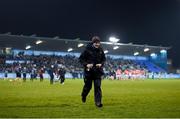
126 99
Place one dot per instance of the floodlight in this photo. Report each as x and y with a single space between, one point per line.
27 47
146 49
136 53
70 49
38 42
163 51
113 39
106 51
115 47
8 48
80 45
153 55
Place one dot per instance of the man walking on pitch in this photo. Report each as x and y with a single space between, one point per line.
93 59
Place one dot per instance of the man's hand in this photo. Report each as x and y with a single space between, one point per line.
89 66
98 65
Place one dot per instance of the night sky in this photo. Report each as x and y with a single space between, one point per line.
152 22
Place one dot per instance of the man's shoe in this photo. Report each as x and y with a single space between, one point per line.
99 105
83 99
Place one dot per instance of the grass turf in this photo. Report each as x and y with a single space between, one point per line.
148 98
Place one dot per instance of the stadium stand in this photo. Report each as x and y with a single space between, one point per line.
150 66
120 64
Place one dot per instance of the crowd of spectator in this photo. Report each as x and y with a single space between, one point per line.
113 68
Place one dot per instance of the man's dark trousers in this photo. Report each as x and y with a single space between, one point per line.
97 88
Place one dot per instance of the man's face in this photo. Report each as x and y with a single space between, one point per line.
96 44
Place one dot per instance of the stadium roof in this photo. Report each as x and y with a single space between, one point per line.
59 44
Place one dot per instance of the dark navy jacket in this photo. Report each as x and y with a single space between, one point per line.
92 55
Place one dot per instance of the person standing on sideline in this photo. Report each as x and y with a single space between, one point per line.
92 59
62 73
24 74
41 71
51 74
5 74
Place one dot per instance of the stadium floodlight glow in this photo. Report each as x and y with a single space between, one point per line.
38 42
153 55
8 48
115 47
146 49
70 49
163 51
113 39
106 51
136 53
27 47
80 45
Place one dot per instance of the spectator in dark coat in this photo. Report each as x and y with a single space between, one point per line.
62 73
